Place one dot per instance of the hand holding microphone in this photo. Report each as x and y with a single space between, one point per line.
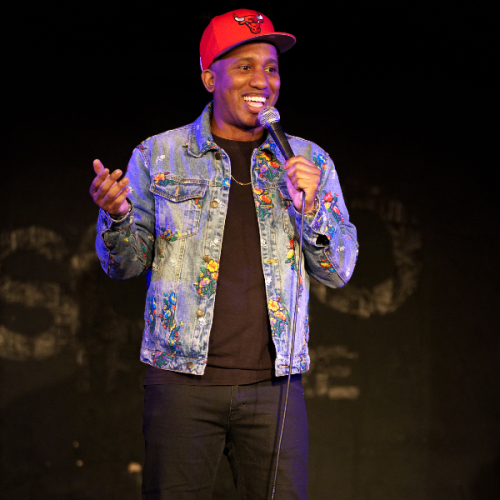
302 175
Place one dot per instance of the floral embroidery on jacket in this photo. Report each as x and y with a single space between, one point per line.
263 202
267 168
304 365
290 259
160 179
143 246
207 146
279 317
271 146
167 234
225 183
330 231
160 359
128 232
290 256
330 203
209 274
167 319
327 265
320 161
152 314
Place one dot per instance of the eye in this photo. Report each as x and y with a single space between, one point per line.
272 69
245 67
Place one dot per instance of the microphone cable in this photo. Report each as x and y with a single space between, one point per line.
269 118
292 349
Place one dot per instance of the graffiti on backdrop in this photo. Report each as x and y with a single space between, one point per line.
406 244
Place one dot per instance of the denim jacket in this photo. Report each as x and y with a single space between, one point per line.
180 182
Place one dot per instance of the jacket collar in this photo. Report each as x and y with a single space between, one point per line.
201 140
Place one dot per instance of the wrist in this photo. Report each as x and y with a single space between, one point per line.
120 216
314 209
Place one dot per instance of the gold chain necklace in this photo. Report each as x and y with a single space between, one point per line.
241 183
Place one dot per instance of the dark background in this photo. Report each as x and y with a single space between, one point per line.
403 394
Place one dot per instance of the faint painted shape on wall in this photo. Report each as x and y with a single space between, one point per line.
388 295
86 256
50 296
330 375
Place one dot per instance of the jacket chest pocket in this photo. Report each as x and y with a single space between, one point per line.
178 205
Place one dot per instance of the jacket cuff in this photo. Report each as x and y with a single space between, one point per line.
316 223
107 222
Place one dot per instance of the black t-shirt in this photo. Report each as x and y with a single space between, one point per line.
240 348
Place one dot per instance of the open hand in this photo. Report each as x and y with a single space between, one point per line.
107 192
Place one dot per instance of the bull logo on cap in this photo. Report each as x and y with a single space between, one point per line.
252 21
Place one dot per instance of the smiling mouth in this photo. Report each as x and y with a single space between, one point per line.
255 102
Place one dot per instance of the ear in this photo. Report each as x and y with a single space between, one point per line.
208 79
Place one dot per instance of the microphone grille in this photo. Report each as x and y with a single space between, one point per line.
268 115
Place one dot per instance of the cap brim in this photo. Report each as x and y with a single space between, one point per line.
283 41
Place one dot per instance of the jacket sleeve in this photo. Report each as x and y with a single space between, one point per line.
330 243
125 248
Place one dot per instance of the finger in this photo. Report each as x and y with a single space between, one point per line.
308 168
119 206
107 182
116 174
299 160
301 171
300 179
308 185
100 185
98 167
291 162
114 191
98 180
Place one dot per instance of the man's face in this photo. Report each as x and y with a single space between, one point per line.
244 81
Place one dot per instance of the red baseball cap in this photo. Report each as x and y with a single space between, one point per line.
235 28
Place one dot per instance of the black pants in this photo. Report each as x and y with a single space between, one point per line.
188 428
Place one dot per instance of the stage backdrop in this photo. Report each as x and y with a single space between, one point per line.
403 391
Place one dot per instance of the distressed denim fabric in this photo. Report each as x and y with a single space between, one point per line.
180 182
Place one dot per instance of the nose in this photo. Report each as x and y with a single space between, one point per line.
259 79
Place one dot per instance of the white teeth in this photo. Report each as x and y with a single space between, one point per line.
254 98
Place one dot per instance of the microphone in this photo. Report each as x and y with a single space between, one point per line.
270 118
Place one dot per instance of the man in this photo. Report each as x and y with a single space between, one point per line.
211 212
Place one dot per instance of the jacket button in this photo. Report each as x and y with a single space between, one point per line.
218 156
214 204
200 313
190 365
206 258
